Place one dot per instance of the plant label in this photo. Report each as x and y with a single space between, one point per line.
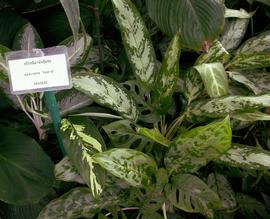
39 70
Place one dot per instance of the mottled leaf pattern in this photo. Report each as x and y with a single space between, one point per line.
197 21
66 171
168 75
195 148
216 53
137 41
191 194
106 92
133 166
214 78
260 79
222 187
246 157
155 135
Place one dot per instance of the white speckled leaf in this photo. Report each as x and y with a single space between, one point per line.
137 41
246 157
133 166
107 92
214 78
66 171
195 148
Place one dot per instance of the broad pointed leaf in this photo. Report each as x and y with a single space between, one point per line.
155 135
81 145
106 92
214 78
189 193
32 176
130 165
194 149
168 75
197 21
137 41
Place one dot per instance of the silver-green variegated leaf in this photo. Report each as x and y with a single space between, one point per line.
193 86
78 51
189 193
246 157
107 92
77 203
220 184
72 10
167 76
155 135
137 41
220 107
216 53
260 79
229 13
214 78
251 117
234 32
27 38
242 79
195 148
123 135
130 165
80 146
66 171
199 22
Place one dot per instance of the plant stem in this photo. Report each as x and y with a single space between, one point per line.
164 211
174 126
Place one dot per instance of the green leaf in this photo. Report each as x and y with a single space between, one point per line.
251 208
66 171
81 145
220 107
234 33
106 92
216 53
168 75
222 187
242 79
195 148
191 194
76 203
123 135
237 13
133 166
32 176
72 10
27 38
78 52
197 21
246 157
137 41
154 135
267 2
251 117
214 78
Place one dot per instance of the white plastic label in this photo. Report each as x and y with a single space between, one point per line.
36 74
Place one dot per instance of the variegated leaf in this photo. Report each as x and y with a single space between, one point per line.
27 38
189 193
72 10
77 203
167 77
260 79
80 146
251 117
106 92
216 53
246 157
122 135
220 107
195 148
155 135
66 171
214 78
130 165
193 86
220 184
137 41
237 13
77 51
234 33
